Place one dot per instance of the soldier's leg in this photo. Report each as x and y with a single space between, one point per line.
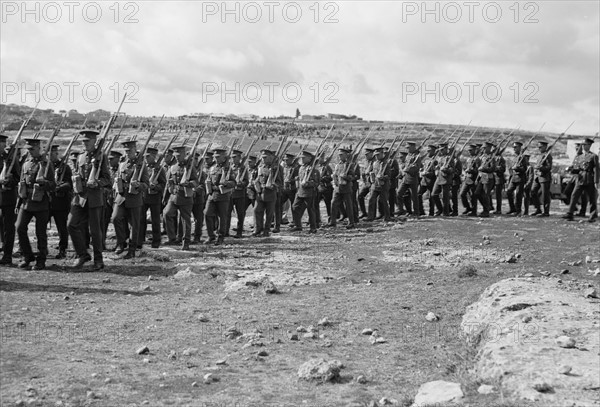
119 220
270 213
414 199
170 217
446 199
392 200
499 188
464 197
362 194
143 228
421 191
435 197
185 211
41 223
317 207
574 199
78 219
335 207
210 218
23 219
454 196
327 197
490 190
400 198
240 209
354 196
198 213
584 203
348 202
519 190
298 208
373 199
546 197
133 218
535 196
384 204
312 216
230 213
259 216
592 198
526 200
510 196
60 218
8 222
277 213
222 208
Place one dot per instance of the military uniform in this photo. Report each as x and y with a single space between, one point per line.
129 200
485 180
220 182
380 186
60 203
456 182
541 184
410 182
88 203
306 194
8 202
36 183
199 204
394 173
324 191
343 177
443 183
499 181
238 195
467 191
365 185
516 184
152 200
266 196
587 168
288 189
427 180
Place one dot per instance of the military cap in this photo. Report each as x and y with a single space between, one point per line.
267 150
345 150
209 153
489 144
88 134
431 147
115 154
219 150
526 155
411 143
237 152
442 145
75 153
290 154
252 156
403 151
542 143
588 141
54 147
179 149
152 148
369 149
473 147
307 153
128 142
578 143
170 150
478 145
517 143
3 137
378 149
32 142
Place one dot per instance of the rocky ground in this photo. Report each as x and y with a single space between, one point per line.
368 316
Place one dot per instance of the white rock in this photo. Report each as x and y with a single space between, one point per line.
591 293
367 331
485 389
565 369
431 317
324 322
437 393
361 379
320 370
185 273
565 342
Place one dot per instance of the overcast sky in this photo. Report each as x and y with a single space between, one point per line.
376 59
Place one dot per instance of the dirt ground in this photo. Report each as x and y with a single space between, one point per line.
70 338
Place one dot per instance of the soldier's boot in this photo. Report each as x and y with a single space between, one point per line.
6 261
39 265
62 254
185 245
568 216
25 263
130 255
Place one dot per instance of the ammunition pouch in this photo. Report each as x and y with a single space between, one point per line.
38 193
119 186
77 184
119 200
22 191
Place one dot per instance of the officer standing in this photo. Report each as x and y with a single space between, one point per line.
517 181
467 191
542 180
380 186
343 176
60 204
157 180
588 177
238 195
410 180
269 177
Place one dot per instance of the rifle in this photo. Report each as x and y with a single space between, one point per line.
243 161
49 145
190 165
139 169
414 159
554 143
13 150
63 160
356 155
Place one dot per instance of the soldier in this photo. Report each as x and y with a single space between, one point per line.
529 178
152 197
499 181
394 172
252 174
427 175
410 180
380 181
238 195
443 182
573 181
220 182
588 177
484 181
517 181
269 178
365 185
8 202
288 191
130 183
541 183
88 201
343 176
467 192
308 181
114 158
456 182
60 202
324 189
36 183
199 197
181 197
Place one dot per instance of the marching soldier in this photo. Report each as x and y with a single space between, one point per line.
529 178
394 173
308 181
365 185
324 189
8 202
60 203
269 178
484 181
181 198
542 180
220 182
114 158
427 179
130 184
152 197
288 191
467 191
410 180
587 168
573 181
443 183
35 185
517 181
343 176
88 202
380 182
199 197
252 174
238 195
499 181
456 181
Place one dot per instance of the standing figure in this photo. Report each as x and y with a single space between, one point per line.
8 201
588 177
157 181
410 180
269 177
467 191
220 182
542 180
308 180
427 175
60 203
238 195
344 174
380 183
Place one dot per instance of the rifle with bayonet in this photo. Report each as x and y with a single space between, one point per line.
191 163
547 152
46 153
140 162
13 150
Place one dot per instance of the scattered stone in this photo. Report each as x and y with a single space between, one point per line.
310 335
528 275
263 353
591 293
565 369
145 287
485 389
542 387
145 402
438 392
320 370
386 402
565 342
367 331
194 384
324 322
431 317
269 287
108 380
91 395
202 318
293 337
232 333
185 273
172 355
361 379
327 344
301 329
143 350
375 340
588 259
209 378
145 360
565 271
437 253
510 259
66 298
190 352
526 318
467 270
221 362
106 280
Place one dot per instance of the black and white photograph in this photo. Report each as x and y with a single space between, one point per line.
305 203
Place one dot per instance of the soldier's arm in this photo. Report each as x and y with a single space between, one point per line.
144 179
50 180
104 178
230 181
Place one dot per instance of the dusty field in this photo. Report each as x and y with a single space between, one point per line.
70 338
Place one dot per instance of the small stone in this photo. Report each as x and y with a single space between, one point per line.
361 379
145 287
516 234
380 340
510 259
565 369
320 370
588 259
66 298
172 355
385 401
591 293
145 402
431 317
528 275
438 392
263 353
202 318
106 280
91 395
145 360
190 352
143 350
542 387
94 375
194 384
367 331
518 255
324 322
526 319
310 335
293 337
565 271
108 380
301 329
221 362
269 287
565 342
485 389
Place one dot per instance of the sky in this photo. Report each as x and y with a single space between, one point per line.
507 64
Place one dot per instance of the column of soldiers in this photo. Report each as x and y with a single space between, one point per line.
180 184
